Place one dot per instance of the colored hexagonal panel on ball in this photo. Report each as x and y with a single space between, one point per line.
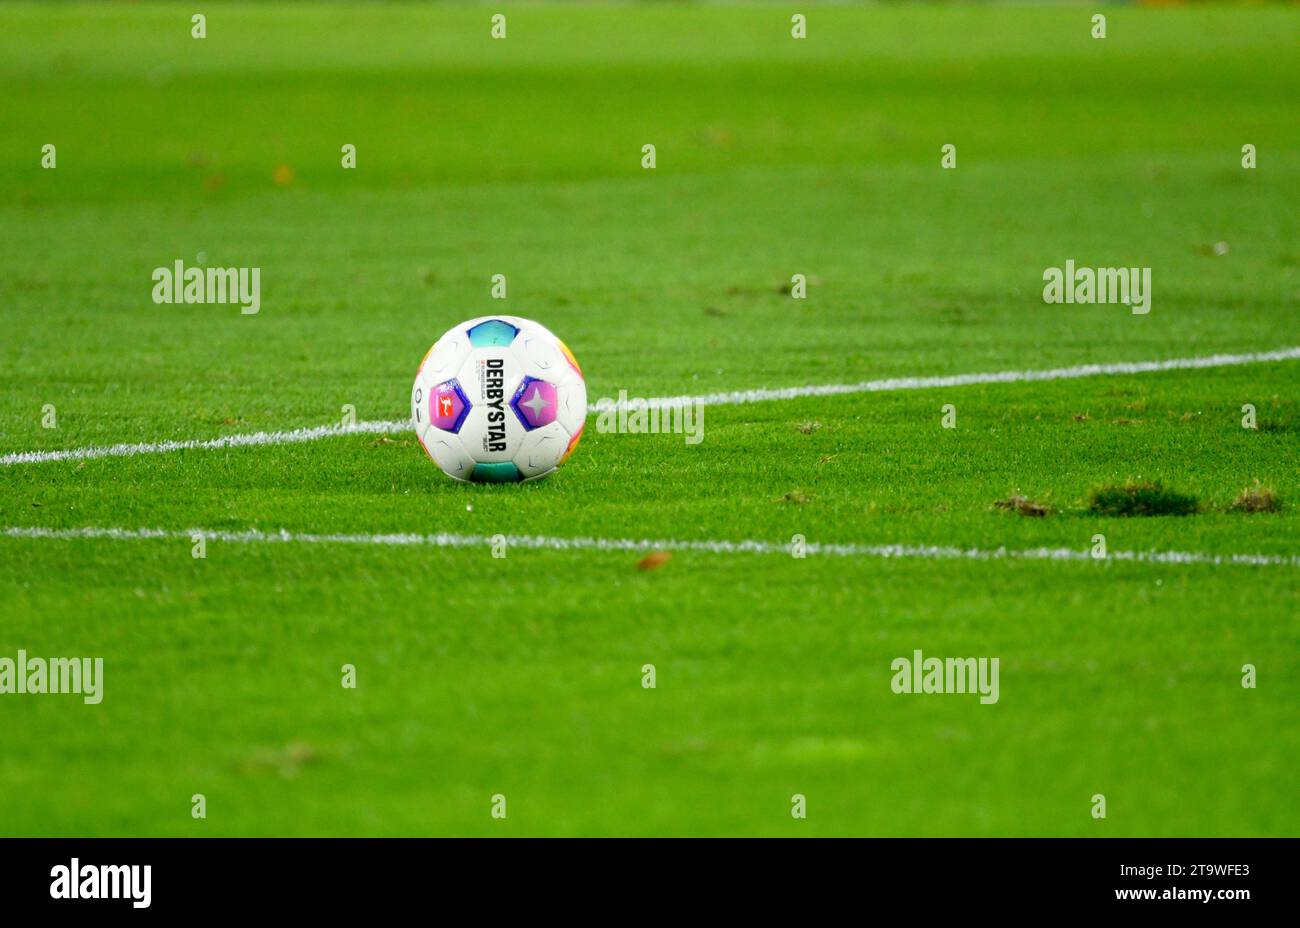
503 472
493 332
569 356
573 443
448 406
535 403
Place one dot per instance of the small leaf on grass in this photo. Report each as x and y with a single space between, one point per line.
654 560
288 760
798 497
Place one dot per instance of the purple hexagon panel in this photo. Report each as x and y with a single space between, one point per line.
535 403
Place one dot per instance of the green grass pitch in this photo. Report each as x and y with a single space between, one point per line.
522 676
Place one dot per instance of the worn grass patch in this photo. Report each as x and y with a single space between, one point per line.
1256 499
1024 506
1142 499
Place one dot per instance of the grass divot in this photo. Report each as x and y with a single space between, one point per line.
1142 499
1024 506
1256 499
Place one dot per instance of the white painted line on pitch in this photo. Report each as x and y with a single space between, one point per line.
448 540
965 380
399 426
229 441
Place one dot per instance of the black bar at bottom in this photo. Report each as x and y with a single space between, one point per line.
333 877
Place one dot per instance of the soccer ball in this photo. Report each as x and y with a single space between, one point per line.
499 399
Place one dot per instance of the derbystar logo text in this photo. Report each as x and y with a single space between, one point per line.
494 392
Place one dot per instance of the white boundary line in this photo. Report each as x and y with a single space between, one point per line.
398 426
965 380
314 433
447 540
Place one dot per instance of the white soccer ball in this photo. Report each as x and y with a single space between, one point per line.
499 399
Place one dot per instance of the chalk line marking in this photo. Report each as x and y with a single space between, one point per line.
965 380
400 426
551 543
315 433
